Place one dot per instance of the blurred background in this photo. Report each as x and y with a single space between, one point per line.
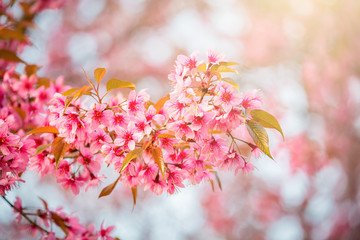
304 57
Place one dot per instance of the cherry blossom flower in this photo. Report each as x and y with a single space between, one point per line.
127 137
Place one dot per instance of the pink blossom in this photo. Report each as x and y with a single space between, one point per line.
118 119
127 137
251 100
213 58
97 139
181 129
90 161
19 209
104 233
71 183
189 62
226 97
216 147
136 102
98 115
7 140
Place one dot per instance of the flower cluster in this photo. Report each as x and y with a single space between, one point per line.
187 135
43 222
22 107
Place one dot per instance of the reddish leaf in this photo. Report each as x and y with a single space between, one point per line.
43 82
60 222
134 194
31 69
108 189
9 56
159 105
159 159
21 112
48 129
60 148
45 203
41 148
131 155
6 33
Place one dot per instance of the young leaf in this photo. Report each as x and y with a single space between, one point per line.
60 222
259 135
6 33
43 81
159 159
229 80
108 189
160 103
218 180
31 69
99 74
85 89
116 83
228 63
10 56
68 100
70 91
60 148
21 112
166 135
44 203
222 68
131 155
48 129
212 185
201 67
41 148
266 120
134 194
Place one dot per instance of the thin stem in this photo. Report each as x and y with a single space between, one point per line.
25 216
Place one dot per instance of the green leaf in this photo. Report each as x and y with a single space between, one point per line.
266 120
48 129
229 80
9 56
131 155
159 159
259 135
41 148
99 74
108 189
116 83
